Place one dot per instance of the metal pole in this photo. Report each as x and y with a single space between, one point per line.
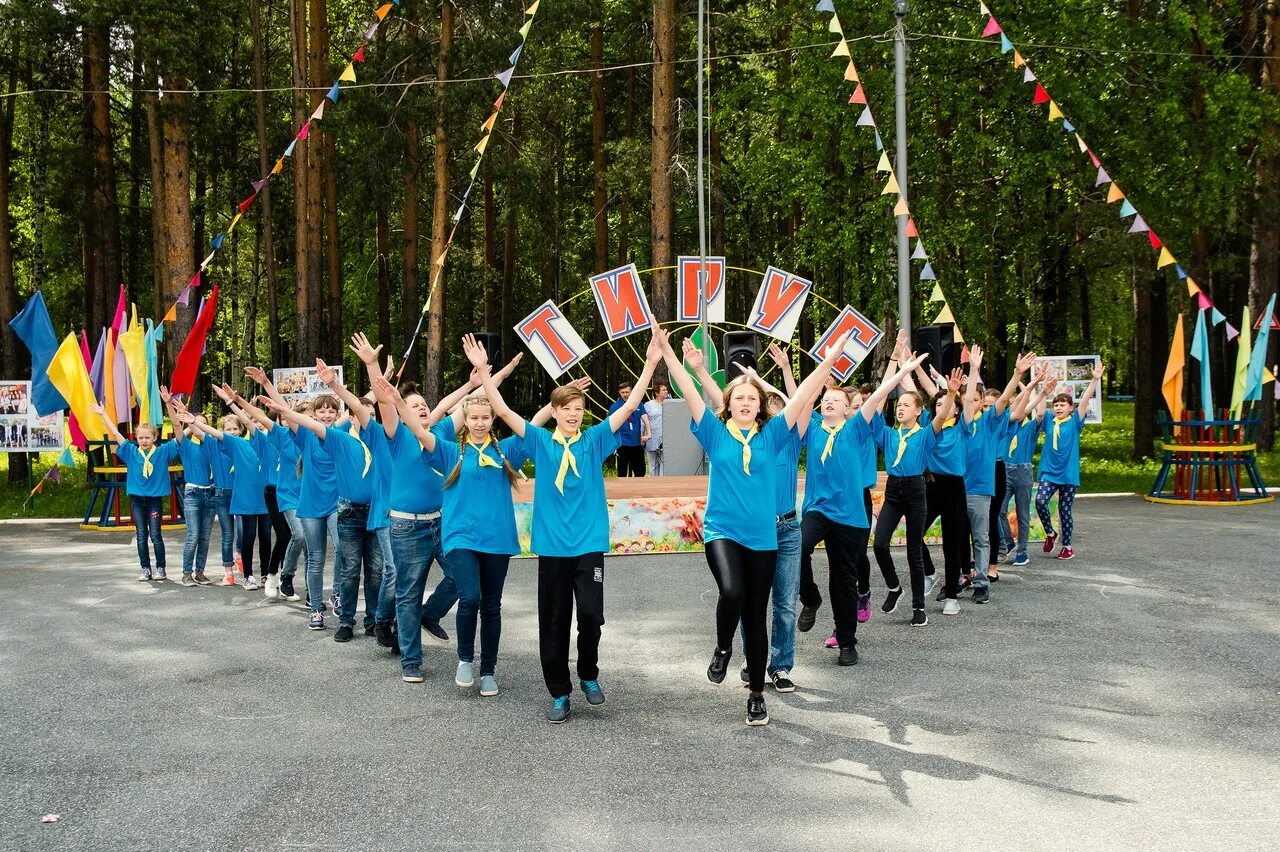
702 203
901 8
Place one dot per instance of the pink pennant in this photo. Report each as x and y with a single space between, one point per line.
911 228
1233 333
305 131
497 105
858 96
1155 241
1042 96
993 28
1202 301
1093 158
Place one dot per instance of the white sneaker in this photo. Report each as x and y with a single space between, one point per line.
928 584
951 607
250 583
271 587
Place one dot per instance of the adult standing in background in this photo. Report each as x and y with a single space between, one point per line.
653 446
633 434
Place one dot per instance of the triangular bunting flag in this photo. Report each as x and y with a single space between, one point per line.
235 220
475 169
858 96
497 105
1103 177
505 77
1054 112
1166 259
936 295
944 315
851 72
883 164
533 9
1041 95
865 120
879 141
842 49
484 143
892 188
348 74
1155 241
333 94
275 170
1093 158
172 316
983 10
383 10
208 260
1127 209
1114 194
515 54
1068 127
1182 273
305 131
1139 226
1193 289
244 205
319 113
217 241
926 274
992 27
288 152
358 56
368 34
1217 315
1006 46
258 184
524 31
1232 332
1027 76
1080 142
919 253
184 298
834 26
1202 301
911 229
825 6
900 209
488 122
1018 61
66 458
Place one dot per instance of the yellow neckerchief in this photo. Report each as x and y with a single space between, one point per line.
484 460
1013 445
147 467
949 422
973 424
568 461
1057 423
736 434
831 439
902 442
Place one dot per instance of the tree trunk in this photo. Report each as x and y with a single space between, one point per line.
12 361
264 166
179 254
317 79
597 146
624 204
490 255
302 260
1264 255
662 151
333 347
383 237
439 214
133 215
412 301
155 149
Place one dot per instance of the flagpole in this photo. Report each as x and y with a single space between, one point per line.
902 8
702 203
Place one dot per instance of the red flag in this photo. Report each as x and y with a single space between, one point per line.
1155 241
1042 97
188 363
858 96
244 205
359 55
121 304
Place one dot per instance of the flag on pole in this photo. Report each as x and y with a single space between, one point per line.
67 373
1200 351
1258 364
34 328
1239 383
188 362
1171 386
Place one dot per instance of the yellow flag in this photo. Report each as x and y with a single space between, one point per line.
235 220
383 10
1054 112
936 295
834 26
524 31
348 74
851 73
68 374
1171 386
1166 259
1114 194
134 346
475 168
533 9
1018 61
1267 376
883 165
944 315
1192 287
1242 365
484 143
892 188
842 49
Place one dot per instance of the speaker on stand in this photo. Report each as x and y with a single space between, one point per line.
740 350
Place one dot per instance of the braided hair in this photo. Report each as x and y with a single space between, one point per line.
463 434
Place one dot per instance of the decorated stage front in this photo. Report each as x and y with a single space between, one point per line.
664 514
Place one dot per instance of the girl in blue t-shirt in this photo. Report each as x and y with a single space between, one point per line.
197 497
740 526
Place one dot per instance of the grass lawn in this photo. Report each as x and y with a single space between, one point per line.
1105 463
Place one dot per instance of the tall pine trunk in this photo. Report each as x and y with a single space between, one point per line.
179 253
1264 260
412 300
439 213
264 164
12 361
301 258
661 153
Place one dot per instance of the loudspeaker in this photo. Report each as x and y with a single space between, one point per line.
939 342
740 349
492 343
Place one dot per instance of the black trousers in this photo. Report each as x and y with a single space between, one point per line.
993 525
562 580
255 528
631 461
946 499
809 594
280 526
843 545
745 578
904 497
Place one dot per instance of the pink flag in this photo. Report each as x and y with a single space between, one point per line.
1233 333
1202 301
993 28
121 301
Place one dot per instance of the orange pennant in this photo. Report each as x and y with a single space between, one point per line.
1114 194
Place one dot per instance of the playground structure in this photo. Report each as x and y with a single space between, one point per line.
1206 462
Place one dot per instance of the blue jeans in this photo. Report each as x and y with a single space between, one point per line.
1018 479
386 612
296 543
197 510
148 514
414 544
222 508
479 578
786 589
360 556
315 532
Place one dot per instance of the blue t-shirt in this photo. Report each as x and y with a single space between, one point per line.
219 463
195 464
788 472
478 510
1060 460
318 496
155 485
288 483
629 431
983 438
831 486
867 472
742 508
918 441
1026 432
353 464
415 487
576 522
380 506
248 477
948 452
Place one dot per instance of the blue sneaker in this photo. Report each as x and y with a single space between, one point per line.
411 674
488 685
559 711
464 678
1022 560
595 695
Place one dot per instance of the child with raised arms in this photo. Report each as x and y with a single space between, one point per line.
197 497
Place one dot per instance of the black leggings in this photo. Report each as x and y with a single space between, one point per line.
745 578
255 527
843 545
946 499
284 535
994 534
809 593
903 498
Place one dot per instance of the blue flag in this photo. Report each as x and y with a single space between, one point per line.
1258 358
1200 351
34 328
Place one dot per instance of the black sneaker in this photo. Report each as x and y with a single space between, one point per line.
891 600
918 618
745 675
286 589
434 629
942 592
848 656
370 629
981 596
782 681
756 712
808 614
719 664
386 635
344 634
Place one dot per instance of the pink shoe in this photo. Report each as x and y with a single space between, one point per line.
1067 552
831 641
864 608
1049 541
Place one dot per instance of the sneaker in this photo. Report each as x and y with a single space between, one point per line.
559 711
386 635
370 629
286 589
831 641
159 575
942 592
271 587
228 580
756 712
1010 554
250 583
433 628
864 608
1049 541
464 677
951 607
316 622
595 695
891 600
202 580
239 560
929 583
1022 560
188 580
1067 552
744 674
848 656
145 576
981 596
719 663
782 681
918 618
966 583
808 614
411 674
344 634
335 602
489 686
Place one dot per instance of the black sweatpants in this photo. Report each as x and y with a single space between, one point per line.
255 527
631 461
561 581
280 526
946 499
904 497
843 544
745 578
994 535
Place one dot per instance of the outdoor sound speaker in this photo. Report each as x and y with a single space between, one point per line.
492 343
739 349
939 342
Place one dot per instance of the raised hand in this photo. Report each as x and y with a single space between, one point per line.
975 358
657 344
779 357
256 374
581 384
269 403
1099 369
692 355
186 418
915 360
365 351
509 368
97 408
325 373
833 351
1050 385
1025 362
388 390
224 393
475 353
390 371
165 396
956 380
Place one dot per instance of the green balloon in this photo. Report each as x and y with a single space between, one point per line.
712 364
